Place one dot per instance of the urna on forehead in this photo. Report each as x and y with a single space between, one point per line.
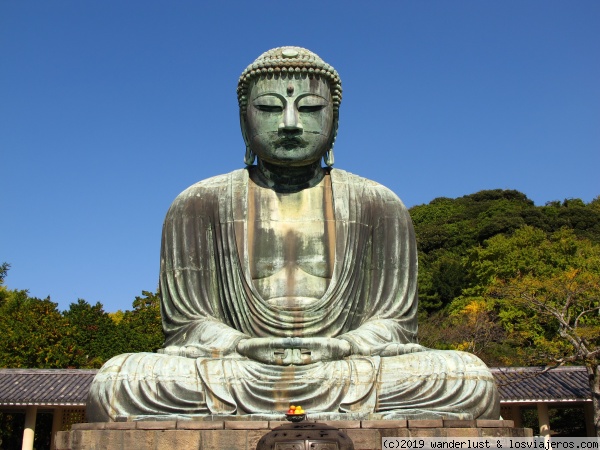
286 62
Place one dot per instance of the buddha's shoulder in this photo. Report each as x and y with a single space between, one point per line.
368 189
213 187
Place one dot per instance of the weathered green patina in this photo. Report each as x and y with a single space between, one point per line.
287 281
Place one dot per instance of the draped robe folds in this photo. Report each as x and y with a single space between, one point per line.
209 303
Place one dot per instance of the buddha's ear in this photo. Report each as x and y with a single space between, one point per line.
249 156
328 157
243 127
336 121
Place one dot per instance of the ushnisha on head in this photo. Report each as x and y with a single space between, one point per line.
289 63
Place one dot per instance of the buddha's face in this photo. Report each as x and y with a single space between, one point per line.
289 121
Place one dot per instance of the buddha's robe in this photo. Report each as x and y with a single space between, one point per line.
209 303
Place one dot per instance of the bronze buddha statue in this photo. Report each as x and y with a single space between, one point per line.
289 281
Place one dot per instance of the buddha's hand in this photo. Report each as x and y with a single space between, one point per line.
398 349
195 352
185 351
293 351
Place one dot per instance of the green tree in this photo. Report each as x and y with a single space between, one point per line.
141 328
595 204
95 333
567 304
548 291
3 291
35 334
3 271
573 213
447 229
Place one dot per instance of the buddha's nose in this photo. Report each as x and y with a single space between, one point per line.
291 120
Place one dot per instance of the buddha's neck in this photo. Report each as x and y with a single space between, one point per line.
289 179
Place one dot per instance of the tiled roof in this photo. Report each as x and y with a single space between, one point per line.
45 386
522 384
71 386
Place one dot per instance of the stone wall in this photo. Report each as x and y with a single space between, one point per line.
244 435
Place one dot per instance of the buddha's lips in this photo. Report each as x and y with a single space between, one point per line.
290 142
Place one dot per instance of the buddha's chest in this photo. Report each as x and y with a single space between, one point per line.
291 242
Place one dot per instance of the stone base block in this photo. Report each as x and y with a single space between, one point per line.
244 435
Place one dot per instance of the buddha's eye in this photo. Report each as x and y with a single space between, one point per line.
311 103
268 103
269 108
312 108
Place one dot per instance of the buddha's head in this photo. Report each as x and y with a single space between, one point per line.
289 102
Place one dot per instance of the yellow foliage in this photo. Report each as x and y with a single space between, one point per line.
463 346
472 311
117 316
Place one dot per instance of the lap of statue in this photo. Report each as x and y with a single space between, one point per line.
421 385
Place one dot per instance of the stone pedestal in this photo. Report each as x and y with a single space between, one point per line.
244 434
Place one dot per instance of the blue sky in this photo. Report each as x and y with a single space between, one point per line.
109 109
